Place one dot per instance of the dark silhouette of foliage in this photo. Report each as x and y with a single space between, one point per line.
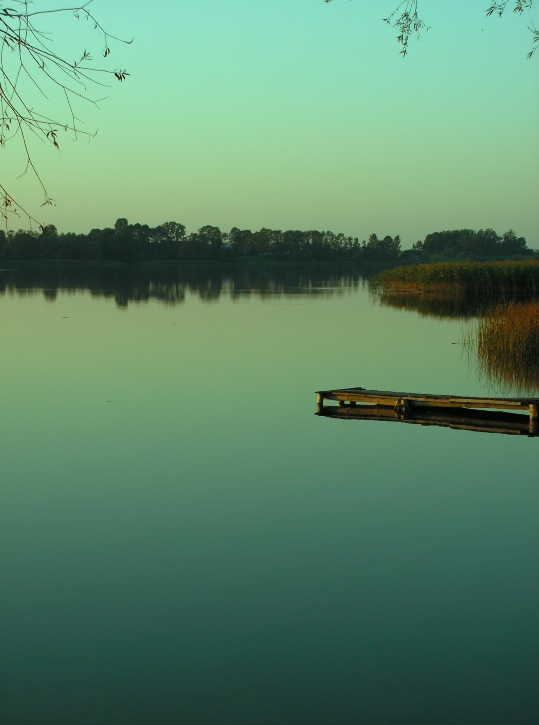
385 249
141 243
169 241
466 243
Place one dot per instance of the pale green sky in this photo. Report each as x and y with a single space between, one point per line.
302 114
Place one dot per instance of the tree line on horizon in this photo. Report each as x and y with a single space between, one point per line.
464 243
169 242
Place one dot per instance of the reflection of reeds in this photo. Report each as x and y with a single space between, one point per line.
443 305
508 346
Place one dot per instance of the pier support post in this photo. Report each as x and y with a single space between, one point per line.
405 408
534 411
320 402
402 407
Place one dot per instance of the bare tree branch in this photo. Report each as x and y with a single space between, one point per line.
27 56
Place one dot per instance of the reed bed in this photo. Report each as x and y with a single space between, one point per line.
501 280
508 346
504 340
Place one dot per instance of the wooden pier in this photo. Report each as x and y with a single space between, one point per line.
453 411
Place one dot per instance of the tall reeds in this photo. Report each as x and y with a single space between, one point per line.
508 346
507 280
504 340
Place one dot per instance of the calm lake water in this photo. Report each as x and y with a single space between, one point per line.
182 541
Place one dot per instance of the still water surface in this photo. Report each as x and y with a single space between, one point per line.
182 541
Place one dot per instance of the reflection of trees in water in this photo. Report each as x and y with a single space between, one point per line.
170 284
502 335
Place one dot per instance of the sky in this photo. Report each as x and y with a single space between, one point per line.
298 114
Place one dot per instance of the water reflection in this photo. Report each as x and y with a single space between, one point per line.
503 363
184 542
428 304
171 283
457 304
501 335
481 421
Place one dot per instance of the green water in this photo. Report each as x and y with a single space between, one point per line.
183 541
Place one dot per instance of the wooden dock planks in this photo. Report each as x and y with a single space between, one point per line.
407 401
427 409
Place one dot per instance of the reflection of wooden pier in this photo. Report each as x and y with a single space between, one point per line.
450 411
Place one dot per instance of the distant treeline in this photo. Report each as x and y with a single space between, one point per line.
142 243
463 243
